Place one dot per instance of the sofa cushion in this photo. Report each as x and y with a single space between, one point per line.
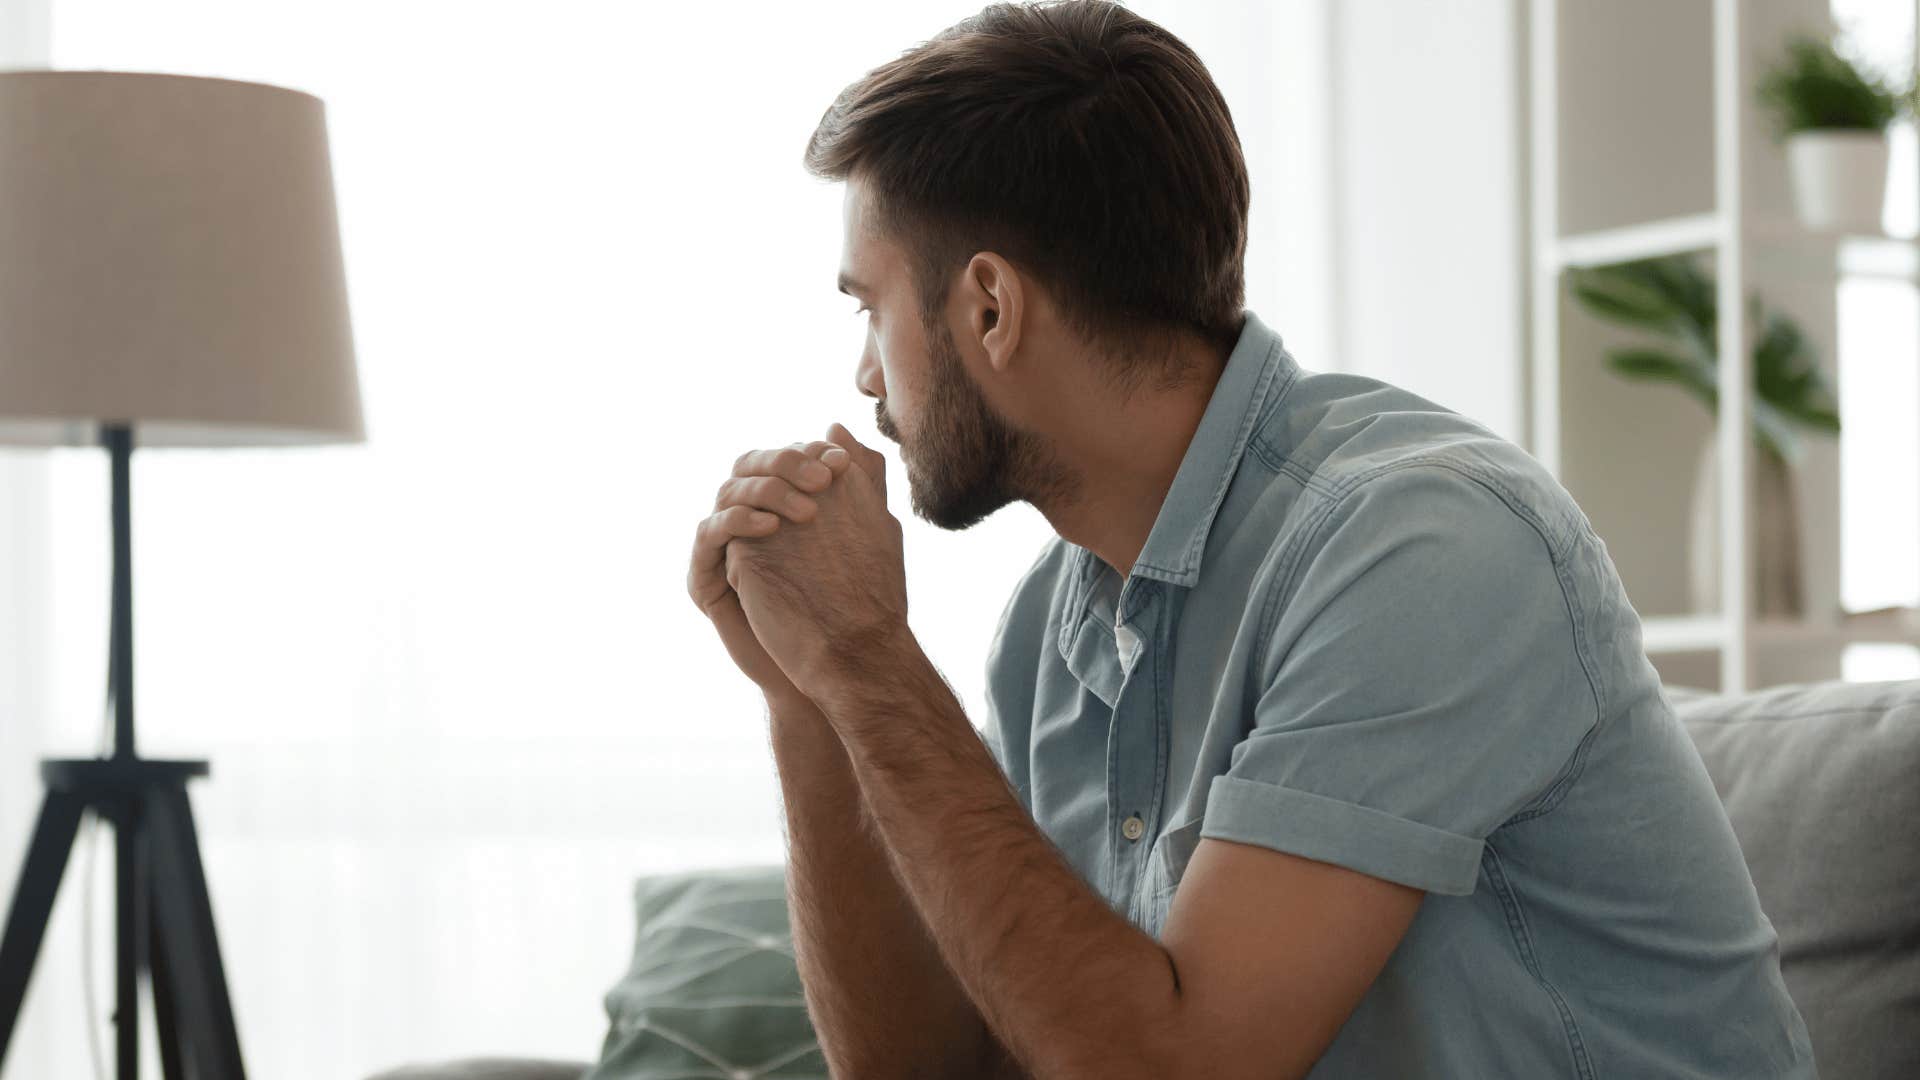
713 989
488 1069
1822 785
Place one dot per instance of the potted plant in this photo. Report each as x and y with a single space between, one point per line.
1833 117
1674 299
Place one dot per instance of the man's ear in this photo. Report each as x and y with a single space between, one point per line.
1000 309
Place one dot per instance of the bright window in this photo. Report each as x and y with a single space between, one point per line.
1879 332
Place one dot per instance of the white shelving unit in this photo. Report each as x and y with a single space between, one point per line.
1736 236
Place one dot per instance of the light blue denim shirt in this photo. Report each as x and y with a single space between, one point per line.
1367 631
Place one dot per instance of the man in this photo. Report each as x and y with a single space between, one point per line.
1321 741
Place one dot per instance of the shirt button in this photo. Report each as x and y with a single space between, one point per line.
1133 828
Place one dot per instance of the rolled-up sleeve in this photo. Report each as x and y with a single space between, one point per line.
1422 684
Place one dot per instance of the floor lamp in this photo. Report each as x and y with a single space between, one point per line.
170 275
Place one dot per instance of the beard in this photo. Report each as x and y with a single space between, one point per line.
963 459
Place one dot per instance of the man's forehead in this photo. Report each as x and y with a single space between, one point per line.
857 253
855 260
852 196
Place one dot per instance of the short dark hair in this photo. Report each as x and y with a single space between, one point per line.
1077 139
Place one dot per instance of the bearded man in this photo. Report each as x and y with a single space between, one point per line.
1320 740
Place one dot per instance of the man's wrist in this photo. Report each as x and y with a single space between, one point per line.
788 709
870 685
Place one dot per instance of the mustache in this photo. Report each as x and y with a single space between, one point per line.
885 424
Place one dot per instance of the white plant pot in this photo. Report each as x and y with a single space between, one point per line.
1839 179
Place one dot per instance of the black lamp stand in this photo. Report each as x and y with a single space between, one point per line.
163 919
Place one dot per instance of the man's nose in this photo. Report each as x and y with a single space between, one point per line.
866 377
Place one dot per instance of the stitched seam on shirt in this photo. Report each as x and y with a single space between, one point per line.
1274 459
1307 478
1279 460
1162 711
1278 463
1285 574
1523 941
1310 531
1115 842
1556 792
1339 494
1073 616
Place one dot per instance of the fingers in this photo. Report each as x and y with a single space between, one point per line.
780 480
871 461
833 456
768 493
806 466
766 485
710 545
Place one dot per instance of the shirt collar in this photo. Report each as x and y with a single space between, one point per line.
1257 369
1257 364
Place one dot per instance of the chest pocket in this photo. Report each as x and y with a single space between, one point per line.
1166 866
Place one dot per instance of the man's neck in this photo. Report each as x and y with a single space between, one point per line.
1126 462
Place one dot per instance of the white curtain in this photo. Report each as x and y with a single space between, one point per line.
454 694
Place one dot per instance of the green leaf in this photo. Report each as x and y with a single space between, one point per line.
1675 298
1654 365
1787 373
1815 88
1774 431
1624 299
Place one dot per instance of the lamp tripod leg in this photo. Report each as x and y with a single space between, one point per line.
165 1017
33 902
127 927
187 953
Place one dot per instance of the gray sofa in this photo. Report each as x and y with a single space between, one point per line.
1822 784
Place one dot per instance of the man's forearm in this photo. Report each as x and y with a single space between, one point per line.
1074 989
882 1000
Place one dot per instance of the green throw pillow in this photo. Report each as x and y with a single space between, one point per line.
713 992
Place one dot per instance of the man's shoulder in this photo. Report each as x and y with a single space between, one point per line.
1346 442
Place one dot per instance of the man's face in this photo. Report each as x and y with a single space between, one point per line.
963 459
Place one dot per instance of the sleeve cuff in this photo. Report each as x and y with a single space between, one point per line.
1360 838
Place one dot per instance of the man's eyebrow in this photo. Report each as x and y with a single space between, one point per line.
851 287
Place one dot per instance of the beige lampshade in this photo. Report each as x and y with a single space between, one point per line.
170 258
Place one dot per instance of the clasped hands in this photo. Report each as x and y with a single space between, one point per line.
800 569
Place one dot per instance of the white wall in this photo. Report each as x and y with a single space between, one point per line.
24 43
1428 202
23 33
53 1009
1270 62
